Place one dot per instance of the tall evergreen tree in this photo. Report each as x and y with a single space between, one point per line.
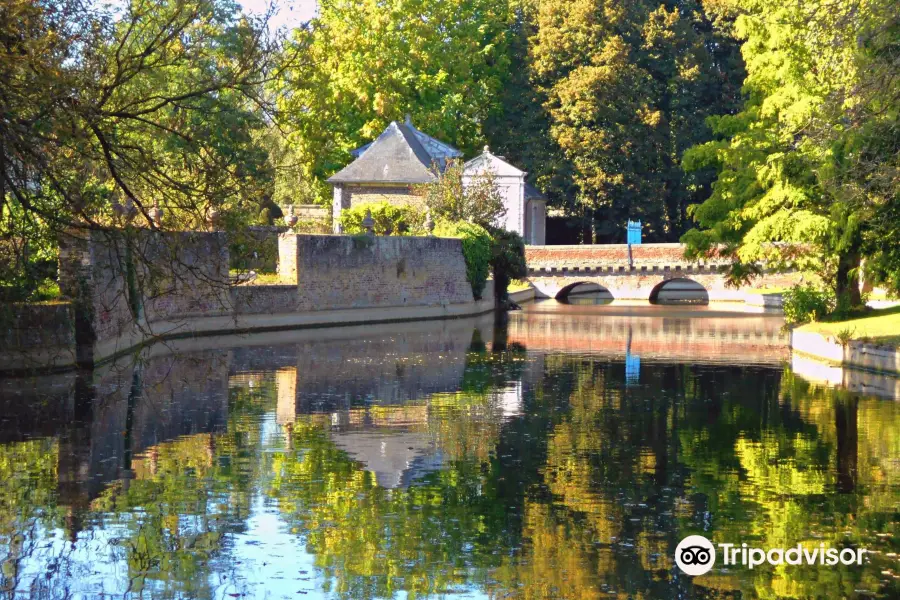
520 128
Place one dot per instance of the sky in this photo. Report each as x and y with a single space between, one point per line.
290 12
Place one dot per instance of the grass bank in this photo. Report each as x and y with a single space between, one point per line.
876 326
517 285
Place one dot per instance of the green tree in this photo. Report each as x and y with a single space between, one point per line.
811 160
507 261
520 128
476 247
372 62
478 200
108 115
627 86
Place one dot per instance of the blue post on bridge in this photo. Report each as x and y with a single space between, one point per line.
634 232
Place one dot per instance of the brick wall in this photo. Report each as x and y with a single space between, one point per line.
615 255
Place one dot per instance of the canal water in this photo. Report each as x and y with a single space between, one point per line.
563 454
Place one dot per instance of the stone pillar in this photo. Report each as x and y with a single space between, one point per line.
337 206
287 258
76 281
520 195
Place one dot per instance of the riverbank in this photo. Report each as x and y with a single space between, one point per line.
868 342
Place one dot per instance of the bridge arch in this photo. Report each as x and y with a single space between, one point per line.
585 287
679 290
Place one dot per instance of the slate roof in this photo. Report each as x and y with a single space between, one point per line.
499 166
532 193
401 154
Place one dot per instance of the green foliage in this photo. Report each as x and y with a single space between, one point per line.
520 129
389 219
28 253
108 113
812 158
628 86
369 63
507 260
806 303
476 243
845 335
479 201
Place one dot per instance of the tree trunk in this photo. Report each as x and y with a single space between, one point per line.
847 284
2 173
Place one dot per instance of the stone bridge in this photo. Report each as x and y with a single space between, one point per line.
637 272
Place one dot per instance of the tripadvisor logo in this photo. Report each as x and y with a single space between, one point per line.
695 555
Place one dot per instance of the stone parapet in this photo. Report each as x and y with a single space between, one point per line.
605 256
337 272
128 289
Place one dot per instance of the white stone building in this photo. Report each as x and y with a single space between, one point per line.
526 207
388 169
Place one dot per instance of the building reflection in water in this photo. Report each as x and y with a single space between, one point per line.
561 454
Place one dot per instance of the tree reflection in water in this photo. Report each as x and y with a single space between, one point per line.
417 464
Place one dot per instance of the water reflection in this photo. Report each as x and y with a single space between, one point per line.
586 294
562 455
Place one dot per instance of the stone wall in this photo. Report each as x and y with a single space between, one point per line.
264 299
859 354
126 290
397 196
33 335
308 212
339 272
121 285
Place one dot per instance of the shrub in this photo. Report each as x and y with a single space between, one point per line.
479 201
269 212
476 243
805 303
507 261
389 219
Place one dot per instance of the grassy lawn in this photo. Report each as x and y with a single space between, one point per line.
878 326
261 278
517 285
